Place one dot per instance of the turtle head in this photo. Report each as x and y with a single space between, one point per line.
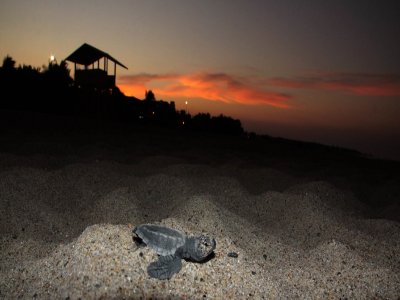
200 247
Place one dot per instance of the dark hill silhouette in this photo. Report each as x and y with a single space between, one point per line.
52 90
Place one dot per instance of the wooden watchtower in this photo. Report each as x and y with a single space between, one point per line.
92 75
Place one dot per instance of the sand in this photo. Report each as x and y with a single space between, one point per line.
303 226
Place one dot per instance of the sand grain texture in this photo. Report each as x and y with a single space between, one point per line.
67 217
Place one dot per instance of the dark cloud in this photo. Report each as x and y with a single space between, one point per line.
362 84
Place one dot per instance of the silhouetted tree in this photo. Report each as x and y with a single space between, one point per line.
8 81
8 63
28 69
149 96
58 74
226 125
220 124
201 121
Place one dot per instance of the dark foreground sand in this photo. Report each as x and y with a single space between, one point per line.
306 222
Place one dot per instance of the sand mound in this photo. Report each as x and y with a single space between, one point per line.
104 263
66 232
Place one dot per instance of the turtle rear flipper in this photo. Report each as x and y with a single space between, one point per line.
165 267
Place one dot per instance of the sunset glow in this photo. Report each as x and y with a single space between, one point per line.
213 87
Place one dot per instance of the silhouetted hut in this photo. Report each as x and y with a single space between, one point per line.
92 75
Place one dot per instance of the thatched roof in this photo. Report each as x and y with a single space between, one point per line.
87 55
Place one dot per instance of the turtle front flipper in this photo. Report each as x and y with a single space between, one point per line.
165 267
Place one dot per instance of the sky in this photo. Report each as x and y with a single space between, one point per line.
321 71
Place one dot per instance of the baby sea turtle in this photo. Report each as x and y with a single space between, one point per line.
172 246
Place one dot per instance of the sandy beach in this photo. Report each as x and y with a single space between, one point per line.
306 221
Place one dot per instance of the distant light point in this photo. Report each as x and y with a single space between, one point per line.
186 106
53 59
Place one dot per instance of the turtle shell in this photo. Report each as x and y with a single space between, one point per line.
163 240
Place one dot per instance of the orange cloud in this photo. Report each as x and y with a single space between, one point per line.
208 86
354 83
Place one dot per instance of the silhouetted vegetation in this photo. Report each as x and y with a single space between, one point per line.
52 90
219 124
8 63
149 96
